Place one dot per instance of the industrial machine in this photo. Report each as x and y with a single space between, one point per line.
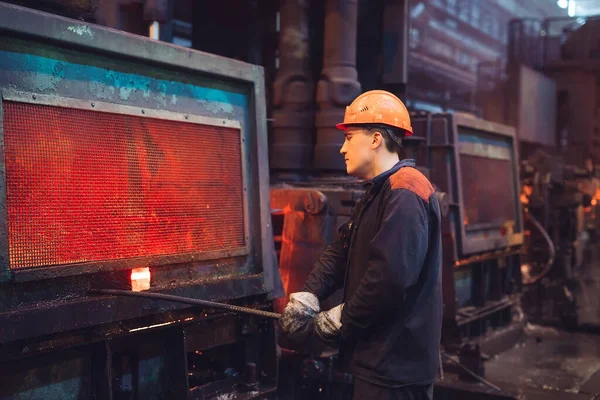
549 96
130 164
475 163
559 206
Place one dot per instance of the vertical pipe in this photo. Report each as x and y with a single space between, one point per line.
396 24
293 92
339 82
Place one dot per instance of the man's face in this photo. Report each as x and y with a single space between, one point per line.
358 151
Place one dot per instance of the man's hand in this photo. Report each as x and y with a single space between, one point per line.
298 314
328 324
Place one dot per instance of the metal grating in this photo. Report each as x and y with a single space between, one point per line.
92 186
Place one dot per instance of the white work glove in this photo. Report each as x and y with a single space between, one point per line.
298 313
328 324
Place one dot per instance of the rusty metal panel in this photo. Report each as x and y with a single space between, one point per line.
537 114
531 106
307 228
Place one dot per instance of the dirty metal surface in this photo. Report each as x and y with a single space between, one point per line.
547 363
549 359
108 41
56 317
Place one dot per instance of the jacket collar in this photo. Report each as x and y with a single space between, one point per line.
377 182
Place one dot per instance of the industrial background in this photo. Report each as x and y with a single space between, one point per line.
158 152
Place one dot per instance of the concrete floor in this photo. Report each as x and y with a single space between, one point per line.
547 363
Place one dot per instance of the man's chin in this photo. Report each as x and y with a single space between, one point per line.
351 172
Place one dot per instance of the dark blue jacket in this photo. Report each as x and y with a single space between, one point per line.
388 260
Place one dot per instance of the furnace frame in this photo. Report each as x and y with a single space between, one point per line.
57 59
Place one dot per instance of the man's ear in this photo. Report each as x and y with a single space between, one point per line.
376 140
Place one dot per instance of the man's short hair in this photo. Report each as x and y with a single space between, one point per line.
392 137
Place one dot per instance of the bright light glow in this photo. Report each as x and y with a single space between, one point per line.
140 279
143 328
562 3
152 326
417 10
571 10
140 273
154 30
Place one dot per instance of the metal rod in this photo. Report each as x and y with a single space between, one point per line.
489 310
486 257
473 374
187 300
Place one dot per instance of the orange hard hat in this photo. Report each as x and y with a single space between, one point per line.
377 107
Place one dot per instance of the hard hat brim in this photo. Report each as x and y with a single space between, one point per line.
342 126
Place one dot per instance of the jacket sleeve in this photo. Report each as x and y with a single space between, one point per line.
328 273
396 256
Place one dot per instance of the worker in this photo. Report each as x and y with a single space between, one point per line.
387 260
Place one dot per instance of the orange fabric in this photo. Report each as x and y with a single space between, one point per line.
413 180
377 107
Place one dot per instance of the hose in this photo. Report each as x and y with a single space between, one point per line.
551 250
473 374
187 300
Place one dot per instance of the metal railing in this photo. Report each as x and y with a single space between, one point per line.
571 39
539 44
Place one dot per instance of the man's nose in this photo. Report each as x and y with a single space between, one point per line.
343 149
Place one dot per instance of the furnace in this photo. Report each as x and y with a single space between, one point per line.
130 164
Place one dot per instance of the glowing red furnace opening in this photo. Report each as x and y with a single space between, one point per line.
91 186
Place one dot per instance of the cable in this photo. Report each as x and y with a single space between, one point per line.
551 250
473 374
187 300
